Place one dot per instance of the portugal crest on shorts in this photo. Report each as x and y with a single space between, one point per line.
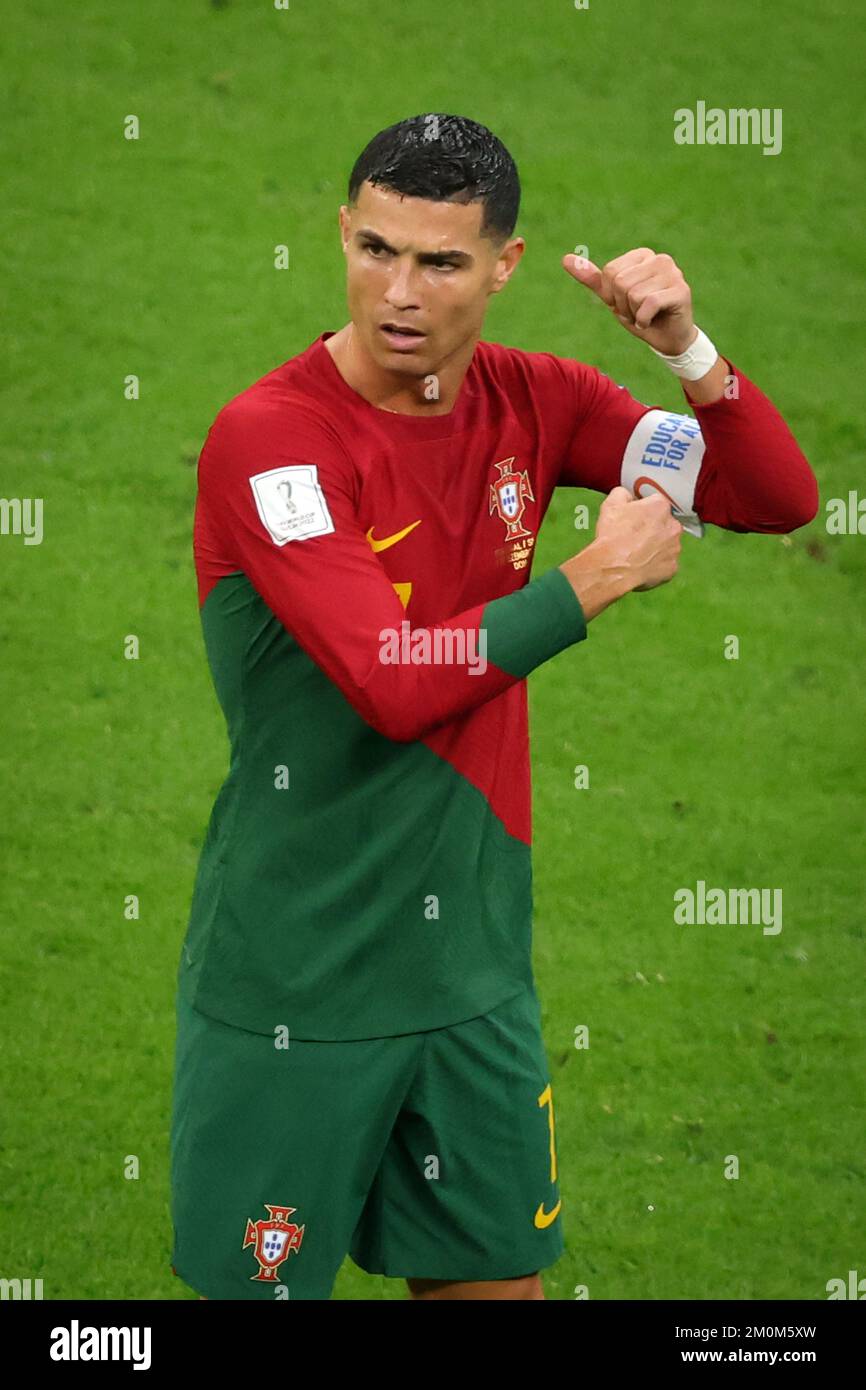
274 1240
508 497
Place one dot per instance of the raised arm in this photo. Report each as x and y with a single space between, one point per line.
740 469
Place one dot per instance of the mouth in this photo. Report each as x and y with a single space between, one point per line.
401 335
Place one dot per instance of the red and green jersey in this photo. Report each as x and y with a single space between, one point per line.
366 870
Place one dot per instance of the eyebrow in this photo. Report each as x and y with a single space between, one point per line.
425 257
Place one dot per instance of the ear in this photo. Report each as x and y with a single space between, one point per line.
507 261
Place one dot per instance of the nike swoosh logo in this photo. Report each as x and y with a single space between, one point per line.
390 540
544 1218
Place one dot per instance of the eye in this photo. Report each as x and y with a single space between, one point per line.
373 249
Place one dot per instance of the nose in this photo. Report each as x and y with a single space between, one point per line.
401 293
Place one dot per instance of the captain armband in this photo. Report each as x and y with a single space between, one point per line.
664 454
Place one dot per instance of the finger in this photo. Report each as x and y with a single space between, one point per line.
657 302
625 268
635 294
653 270
629 275
628 260
579 268
655 501
617 497
659 501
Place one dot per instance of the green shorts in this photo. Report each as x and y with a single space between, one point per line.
428 1155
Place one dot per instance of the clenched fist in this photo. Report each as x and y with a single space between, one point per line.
637 546
645 537
646 292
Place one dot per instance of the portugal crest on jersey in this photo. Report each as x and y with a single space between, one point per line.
508 497
274 1240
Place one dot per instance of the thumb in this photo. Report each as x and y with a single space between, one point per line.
579 268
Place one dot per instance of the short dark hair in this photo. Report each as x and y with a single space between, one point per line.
447 159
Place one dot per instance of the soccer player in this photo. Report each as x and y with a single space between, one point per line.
359 1063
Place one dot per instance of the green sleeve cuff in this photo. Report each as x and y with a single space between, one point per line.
533 624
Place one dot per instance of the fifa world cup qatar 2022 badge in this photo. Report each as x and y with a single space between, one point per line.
508 498
274 1240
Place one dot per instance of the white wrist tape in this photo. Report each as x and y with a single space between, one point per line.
695 362
664 453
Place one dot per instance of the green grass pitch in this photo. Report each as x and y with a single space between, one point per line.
155 257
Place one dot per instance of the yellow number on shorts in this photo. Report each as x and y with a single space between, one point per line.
544 1218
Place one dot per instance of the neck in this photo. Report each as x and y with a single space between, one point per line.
395 391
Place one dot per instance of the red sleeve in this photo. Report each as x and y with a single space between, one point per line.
753 476
606 415
329 590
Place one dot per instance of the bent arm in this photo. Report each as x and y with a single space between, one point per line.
321 580
741 469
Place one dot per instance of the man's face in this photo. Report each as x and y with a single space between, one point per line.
423 265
